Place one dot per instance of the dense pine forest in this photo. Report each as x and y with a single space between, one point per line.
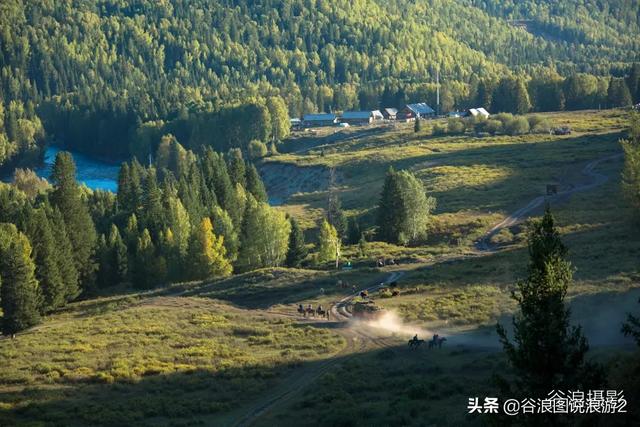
186 217
109 78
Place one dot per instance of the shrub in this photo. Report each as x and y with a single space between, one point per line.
504 118
438 130
257 150
517 126
493 126
456 126
479 124
539 124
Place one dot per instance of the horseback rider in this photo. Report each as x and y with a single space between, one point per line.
300 307
415 338
435 337
319 308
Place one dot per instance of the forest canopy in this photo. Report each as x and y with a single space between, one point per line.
103 75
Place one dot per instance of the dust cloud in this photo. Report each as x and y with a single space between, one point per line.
390 323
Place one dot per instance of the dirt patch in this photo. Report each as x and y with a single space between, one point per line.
283 180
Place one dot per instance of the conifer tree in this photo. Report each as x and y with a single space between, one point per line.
297 249
391 213
45 254
633 82
631 169
152 204
354 231
546 353
19 290
150 269
125 195
207 253
618 94
64 249
120 255
236 167
79 225
255 186
335 216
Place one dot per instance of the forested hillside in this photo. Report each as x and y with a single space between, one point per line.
94 71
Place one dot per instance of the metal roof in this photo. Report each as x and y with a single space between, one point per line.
318 117
357 114
421 108
391 111
478 111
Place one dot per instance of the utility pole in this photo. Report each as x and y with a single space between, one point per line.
438 91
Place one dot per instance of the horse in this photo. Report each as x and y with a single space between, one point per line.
310 311
437 342
321 312
413 343
302 310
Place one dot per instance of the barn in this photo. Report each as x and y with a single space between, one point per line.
361 117
319 120
390 113
412 111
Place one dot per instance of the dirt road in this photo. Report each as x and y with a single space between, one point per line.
594 179
360 340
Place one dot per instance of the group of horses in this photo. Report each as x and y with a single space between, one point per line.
437 341
311 312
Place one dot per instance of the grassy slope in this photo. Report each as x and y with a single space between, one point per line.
191 352
123 360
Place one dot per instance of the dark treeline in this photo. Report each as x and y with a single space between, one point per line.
101 75
186 217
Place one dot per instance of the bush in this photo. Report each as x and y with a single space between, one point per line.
504 118
539 124
479 124
517 126
493 126
257 150
456 126
438 130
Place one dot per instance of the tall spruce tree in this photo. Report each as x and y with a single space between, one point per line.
546 353
64 249
45 254
255 186
80 228
152 204
633 82
618 94
19 290
335 215
120 255
297 249
236 167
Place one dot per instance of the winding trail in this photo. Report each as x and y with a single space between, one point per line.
595 179
359 340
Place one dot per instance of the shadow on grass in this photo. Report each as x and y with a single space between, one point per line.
265 288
